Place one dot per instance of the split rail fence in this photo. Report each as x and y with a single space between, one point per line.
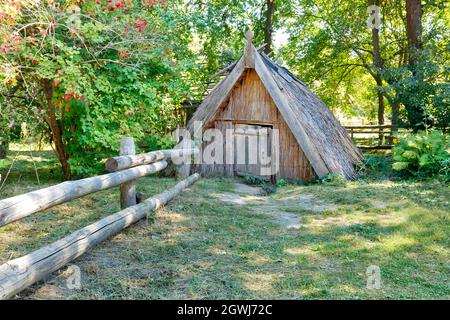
20 273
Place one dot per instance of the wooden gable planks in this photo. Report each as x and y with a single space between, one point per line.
210 106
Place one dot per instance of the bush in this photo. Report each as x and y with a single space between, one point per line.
334 179
154 142
422 154
282 183
266 186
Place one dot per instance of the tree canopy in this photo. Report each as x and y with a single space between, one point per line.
86 72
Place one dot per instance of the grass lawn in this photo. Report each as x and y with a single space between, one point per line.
214 242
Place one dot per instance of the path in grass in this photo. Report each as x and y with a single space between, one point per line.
279 209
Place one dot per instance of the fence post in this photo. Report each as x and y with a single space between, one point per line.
127 189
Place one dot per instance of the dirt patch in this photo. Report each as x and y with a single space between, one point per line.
287 219
239 199
276 208
246 189
309 202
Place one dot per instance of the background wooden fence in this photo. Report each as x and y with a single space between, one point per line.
372 137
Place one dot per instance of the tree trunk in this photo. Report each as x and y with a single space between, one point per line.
413 29
395 113
416 114
378 63
268 30
379 66
56 131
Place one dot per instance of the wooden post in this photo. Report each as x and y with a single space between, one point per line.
127 189
249 58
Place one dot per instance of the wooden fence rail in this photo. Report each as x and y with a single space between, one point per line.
382 134
18 207
122 162
20 273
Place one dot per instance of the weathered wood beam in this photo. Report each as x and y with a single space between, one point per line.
249 55
22 272
18 207
124 162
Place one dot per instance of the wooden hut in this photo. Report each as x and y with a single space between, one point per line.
259 97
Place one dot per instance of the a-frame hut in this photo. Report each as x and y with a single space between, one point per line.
259 97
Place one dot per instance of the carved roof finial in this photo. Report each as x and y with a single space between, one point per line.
249 35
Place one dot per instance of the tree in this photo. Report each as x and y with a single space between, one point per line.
268 29
331 48
416 112
421 84
413 28
377 61
94 71
220 26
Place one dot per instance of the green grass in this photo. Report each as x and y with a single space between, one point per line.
199 247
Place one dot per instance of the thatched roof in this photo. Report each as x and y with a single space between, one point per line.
324 141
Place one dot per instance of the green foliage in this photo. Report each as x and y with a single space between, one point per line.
281 183
376 166
333 179
255 180
330 48
422 154
154 142
424 90
115 69
266 186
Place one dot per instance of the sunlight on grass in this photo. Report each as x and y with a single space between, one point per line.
255 258
396 242
259 282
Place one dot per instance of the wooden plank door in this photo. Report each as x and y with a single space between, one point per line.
253 144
